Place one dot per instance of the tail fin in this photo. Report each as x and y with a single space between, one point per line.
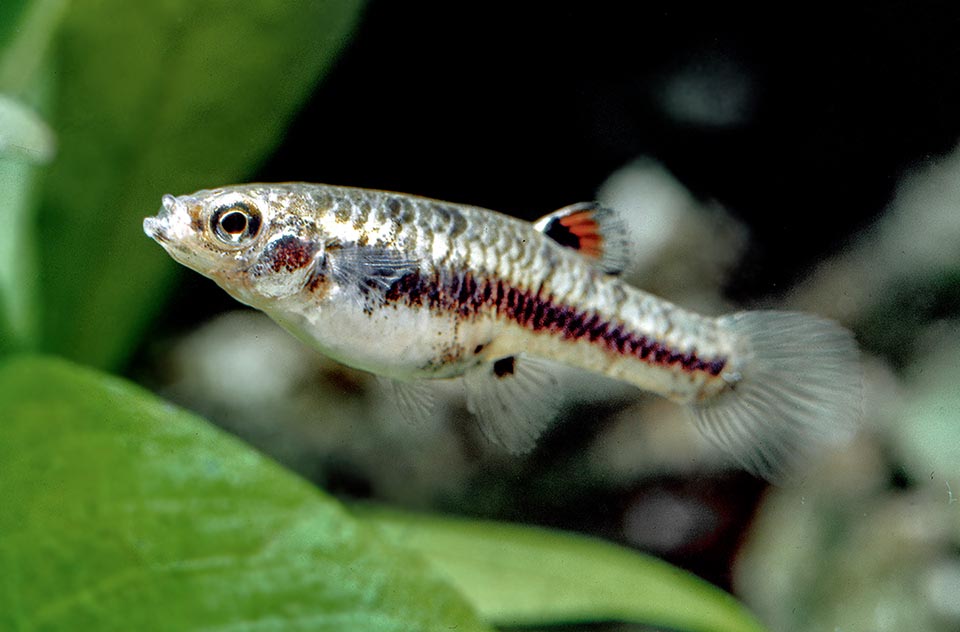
799 387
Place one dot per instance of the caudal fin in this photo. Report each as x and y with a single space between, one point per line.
799 388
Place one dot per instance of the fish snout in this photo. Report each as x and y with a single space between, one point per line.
153 227
164 225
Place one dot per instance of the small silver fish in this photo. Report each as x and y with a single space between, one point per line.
413 289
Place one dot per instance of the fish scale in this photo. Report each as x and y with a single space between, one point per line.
414 289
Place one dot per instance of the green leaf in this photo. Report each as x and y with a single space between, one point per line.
160 96
121 512
517 575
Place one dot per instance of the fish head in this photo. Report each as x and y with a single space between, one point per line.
232 235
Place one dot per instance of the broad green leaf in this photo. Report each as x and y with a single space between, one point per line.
160 96
517 575
121 512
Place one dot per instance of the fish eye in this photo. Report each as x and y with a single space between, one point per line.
235 223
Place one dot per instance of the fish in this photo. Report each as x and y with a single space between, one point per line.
415 290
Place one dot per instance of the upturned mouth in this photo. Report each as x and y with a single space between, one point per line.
154 228
157 227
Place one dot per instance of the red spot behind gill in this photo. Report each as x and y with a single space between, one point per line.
289 253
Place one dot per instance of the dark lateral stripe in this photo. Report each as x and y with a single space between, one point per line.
467 296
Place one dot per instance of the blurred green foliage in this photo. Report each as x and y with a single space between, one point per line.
121 512
850 555
916 302
10 12
26 30
18 312
930 442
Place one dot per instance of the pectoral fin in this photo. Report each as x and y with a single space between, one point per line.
366 268
414 400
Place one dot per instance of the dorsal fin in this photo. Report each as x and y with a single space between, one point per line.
592 230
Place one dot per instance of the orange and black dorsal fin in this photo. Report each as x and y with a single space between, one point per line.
594 231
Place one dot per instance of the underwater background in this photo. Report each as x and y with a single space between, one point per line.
803 160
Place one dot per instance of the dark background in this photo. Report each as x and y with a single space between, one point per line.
524 108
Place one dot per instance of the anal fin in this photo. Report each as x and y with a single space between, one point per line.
513 399
594 231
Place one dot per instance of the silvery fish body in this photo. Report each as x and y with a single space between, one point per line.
414 289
